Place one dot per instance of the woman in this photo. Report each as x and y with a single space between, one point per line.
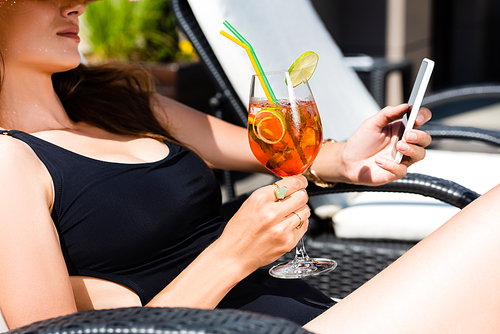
100 188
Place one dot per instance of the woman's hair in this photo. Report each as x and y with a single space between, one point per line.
115 97
2 71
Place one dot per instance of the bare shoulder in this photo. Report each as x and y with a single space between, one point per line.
22 168
17 155
26 184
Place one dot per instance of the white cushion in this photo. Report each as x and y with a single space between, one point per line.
413 217
3 324
391 216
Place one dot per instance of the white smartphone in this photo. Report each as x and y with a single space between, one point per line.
416 97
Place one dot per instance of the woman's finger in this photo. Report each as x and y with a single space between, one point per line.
298 219
398 170
388 115
284 188
413 147
293 203
424 115
412 153
295 225
419 138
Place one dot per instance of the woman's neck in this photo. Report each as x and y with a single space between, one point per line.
29 103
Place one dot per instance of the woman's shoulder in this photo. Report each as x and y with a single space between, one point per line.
23 175
16 157
12 149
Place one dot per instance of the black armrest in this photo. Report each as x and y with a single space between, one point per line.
425 185
439 131
455 101
462 94
162 321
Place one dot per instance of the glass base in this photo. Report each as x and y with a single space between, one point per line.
302 268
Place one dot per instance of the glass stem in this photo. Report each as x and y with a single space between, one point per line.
300 252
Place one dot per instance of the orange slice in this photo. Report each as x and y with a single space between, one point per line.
269 125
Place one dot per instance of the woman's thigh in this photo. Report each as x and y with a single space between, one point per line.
447 283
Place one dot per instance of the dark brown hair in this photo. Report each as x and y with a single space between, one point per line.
115 97
2 71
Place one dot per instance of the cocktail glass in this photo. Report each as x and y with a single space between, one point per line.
285 135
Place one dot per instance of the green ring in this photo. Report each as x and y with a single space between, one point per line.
280 192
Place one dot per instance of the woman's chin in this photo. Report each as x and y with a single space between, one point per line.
72 66
49 63
72 62
64 66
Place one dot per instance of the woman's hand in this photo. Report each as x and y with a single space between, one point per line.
367 156
258 234
264 228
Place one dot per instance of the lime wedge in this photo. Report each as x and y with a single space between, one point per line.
306 63
269 126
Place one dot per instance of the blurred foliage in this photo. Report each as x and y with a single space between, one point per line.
132 31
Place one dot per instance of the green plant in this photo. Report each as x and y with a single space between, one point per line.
131 31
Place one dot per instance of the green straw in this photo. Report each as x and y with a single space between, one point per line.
243 40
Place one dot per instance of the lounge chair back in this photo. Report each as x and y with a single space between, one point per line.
280 31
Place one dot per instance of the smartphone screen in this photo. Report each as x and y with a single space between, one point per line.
416 97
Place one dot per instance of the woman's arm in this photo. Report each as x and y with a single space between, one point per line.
221 144
34 282
261 231
363 159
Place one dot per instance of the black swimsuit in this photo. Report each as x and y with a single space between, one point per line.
141 224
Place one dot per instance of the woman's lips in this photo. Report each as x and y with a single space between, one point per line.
70 35
71 32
